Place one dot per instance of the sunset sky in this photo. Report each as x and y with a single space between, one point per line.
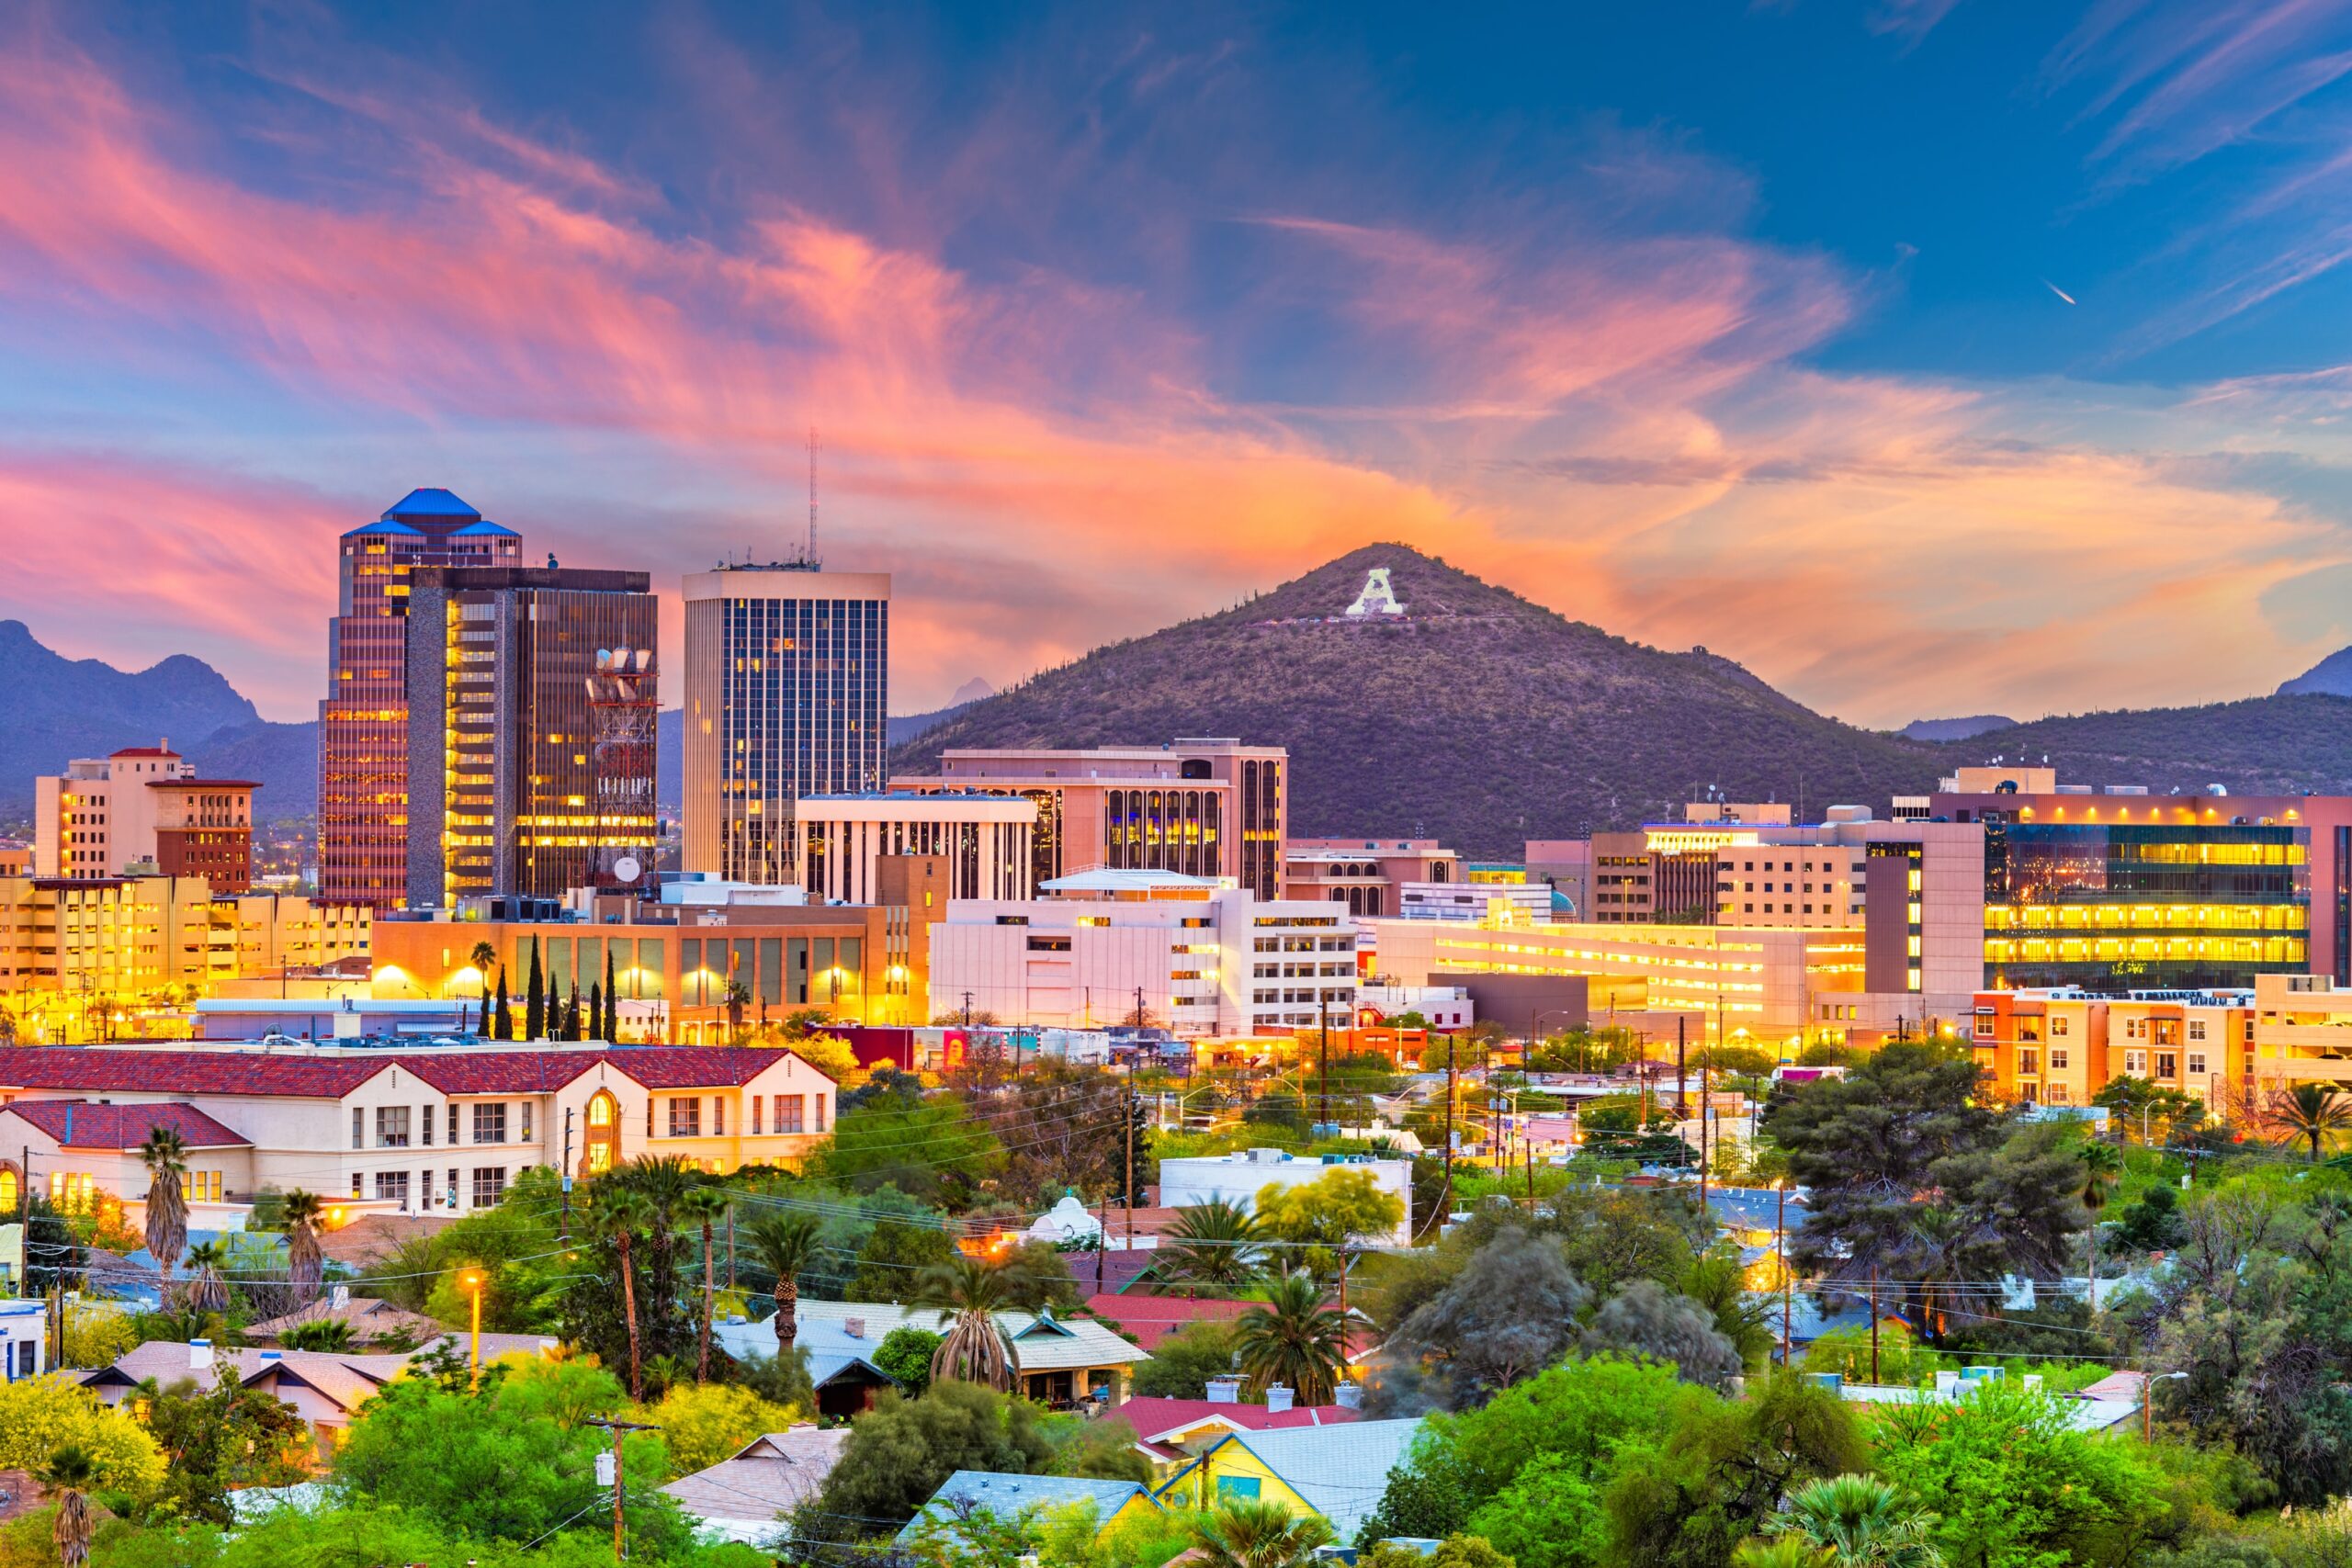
1928 357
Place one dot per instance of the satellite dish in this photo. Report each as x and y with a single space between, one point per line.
625 869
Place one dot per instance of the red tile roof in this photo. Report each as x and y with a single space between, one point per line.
1153 1318
1156 1418
330 1078
142 752
202 784
79 1124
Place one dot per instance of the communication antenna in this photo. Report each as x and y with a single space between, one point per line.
812 495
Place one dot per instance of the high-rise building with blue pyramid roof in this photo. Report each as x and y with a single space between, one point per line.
363 723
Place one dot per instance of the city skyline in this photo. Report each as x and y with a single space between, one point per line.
2015 405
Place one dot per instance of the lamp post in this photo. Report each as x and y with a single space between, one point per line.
2148 1403
471 1282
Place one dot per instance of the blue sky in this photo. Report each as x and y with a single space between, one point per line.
1927 357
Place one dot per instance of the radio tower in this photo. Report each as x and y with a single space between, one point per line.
813 497
622 708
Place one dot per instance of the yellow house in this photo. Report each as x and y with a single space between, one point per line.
1337 1473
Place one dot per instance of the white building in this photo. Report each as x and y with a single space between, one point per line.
1474 901
401 1132
1238 1178
1204 956
1445 1006
983 839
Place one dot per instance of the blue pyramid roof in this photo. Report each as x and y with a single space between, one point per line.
487 526
430 503
386 525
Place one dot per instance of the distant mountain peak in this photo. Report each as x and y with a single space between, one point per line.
1955 729
2331 677
53 708
971 691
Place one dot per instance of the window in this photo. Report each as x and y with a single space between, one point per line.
358 1128
2168 1065
718 1116
490 1184
789 1112
1229 1486
758 1102
392 1185
2196 1029
200 1186
2196 1065
427 1139
685 1117
2059 1028
392 1129
489 1123
818 1100
358 1183
527 1121
2058 1058
2135 1064
2030 1063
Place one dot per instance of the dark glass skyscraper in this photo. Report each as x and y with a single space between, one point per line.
363 723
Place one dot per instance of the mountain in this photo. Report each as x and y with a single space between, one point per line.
2289 745
1474 716
1955 728
2331 677
281 758
53 709
971 691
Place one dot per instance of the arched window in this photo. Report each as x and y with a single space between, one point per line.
601 1148
11 1192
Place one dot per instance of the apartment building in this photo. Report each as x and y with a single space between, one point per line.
1369 875
444 1131
86 939
1199 956
144 807
2062 1046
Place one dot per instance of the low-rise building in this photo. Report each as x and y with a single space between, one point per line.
443 1130
749 1496
1197 955
2299 1032
2061 1046
1330 1472
1011 1495
1238 1178
143 805
1366 875
840 841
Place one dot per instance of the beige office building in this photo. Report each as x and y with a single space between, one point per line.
786 697
982 839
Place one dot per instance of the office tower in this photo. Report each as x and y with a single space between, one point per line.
143 809
363 723
530 731
787 695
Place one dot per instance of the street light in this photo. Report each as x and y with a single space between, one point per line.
2148 1403
471 1282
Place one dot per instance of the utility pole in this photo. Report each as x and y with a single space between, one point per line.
1781 1257
731 1246
1702 1133
1874 1323
1682 1072
1323 1011
566 1175
620 1538
1453 1054
1128 1116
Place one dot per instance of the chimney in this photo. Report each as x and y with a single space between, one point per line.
267 1356
1348 1396
339 1298
1225 1391
1277 1398
854 1327
199 1354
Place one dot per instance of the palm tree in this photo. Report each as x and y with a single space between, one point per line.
208 1285
1258 1533
1860 1522
1213 1243
705 1204
485 957
1780 1551
976 1349
68 1474
2102 1167
306 1264
785 1245
165 1157
621 1215
2309 1110
664 1184
1295 1339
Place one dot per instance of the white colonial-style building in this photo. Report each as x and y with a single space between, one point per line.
437 1130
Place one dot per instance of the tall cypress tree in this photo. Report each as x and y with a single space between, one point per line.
506 1020
535 997
612 1030
595 1011
573 1026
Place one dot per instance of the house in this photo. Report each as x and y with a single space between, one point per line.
1062 1361
368 1318
1114 1503
1336 1471
324 1387
1153 1318
1170 1431
2085 1411
399 1132
746 1496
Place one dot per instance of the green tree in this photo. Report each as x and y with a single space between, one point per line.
929 1150
2308 1113
1689 1500
1644 1318
1250 1533
896 1252
2102 1168
905 1354
609 1026
621 1217
1184 1361
899 1452
165 1157
704 1423
215 1440
68 1474
1216 1245
208 1287
1294 1338
503 1025
1860 1521
785 1245
40 1416
1507 1314
2013 1484
971 1292
1330 1216
535 997
704 1207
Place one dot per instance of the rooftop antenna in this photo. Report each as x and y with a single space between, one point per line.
812 495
